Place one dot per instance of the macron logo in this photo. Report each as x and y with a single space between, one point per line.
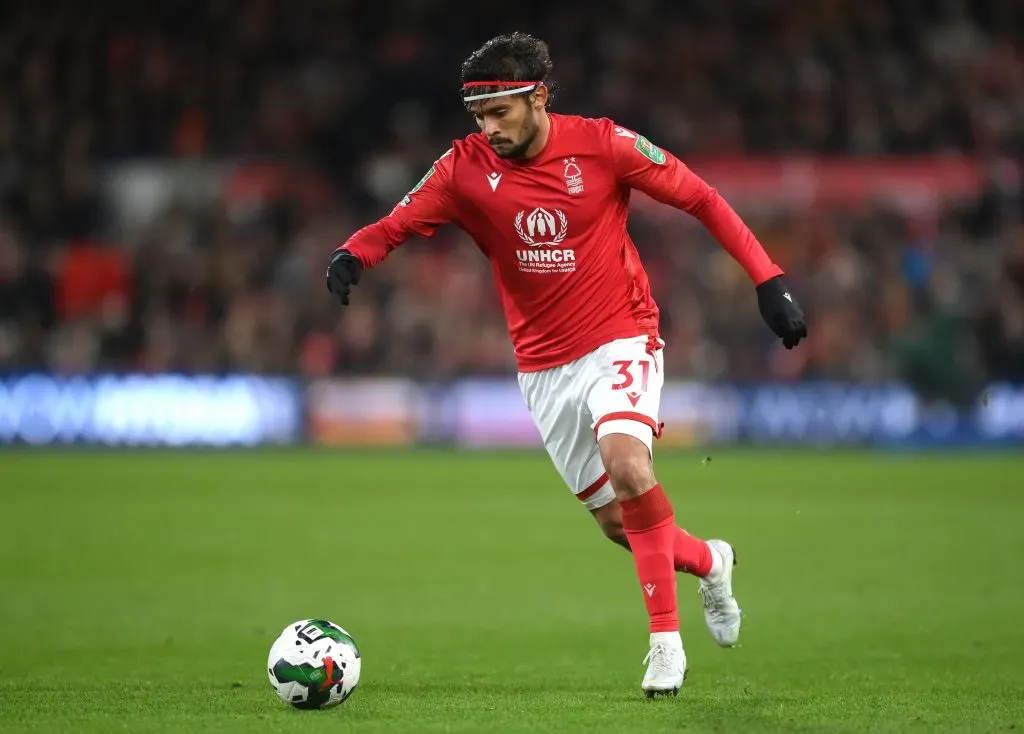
623 133
493 178
649 588
787 297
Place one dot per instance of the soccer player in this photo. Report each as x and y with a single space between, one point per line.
545 197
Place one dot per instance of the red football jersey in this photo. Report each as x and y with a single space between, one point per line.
554 230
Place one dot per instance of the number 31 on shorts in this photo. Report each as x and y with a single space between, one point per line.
625 375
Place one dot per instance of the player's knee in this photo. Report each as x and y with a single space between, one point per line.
631 477
628 464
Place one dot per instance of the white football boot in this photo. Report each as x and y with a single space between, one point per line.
666 665
721 612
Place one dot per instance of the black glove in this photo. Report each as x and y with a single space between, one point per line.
343 273
781 311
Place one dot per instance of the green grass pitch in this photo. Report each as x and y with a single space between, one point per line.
141 592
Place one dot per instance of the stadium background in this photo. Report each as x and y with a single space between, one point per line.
173 178
173 181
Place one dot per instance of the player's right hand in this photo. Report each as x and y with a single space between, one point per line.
343 273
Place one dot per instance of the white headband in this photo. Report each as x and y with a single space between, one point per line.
502 93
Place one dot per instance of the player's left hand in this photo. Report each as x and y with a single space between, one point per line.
781 312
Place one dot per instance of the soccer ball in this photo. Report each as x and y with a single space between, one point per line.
314 664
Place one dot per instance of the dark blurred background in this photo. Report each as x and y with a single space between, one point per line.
173 178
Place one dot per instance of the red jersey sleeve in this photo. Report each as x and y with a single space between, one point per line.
419 214
641 165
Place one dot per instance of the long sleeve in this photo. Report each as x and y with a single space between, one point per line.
643 166
420 213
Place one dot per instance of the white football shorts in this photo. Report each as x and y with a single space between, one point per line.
614 389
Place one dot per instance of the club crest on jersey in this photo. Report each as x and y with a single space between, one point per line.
544 232
573 176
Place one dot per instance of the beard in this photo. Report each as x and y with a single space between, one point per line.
518 151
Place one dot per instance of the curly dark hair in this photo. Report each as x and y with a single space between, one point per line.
514 57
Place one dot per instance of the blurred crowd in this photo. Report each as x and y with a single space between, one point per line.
365 96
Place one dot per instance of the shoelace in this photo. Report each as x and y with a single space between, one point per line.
660 655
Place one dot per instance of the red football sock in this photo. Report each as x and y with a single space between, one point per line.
692 555
651 530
